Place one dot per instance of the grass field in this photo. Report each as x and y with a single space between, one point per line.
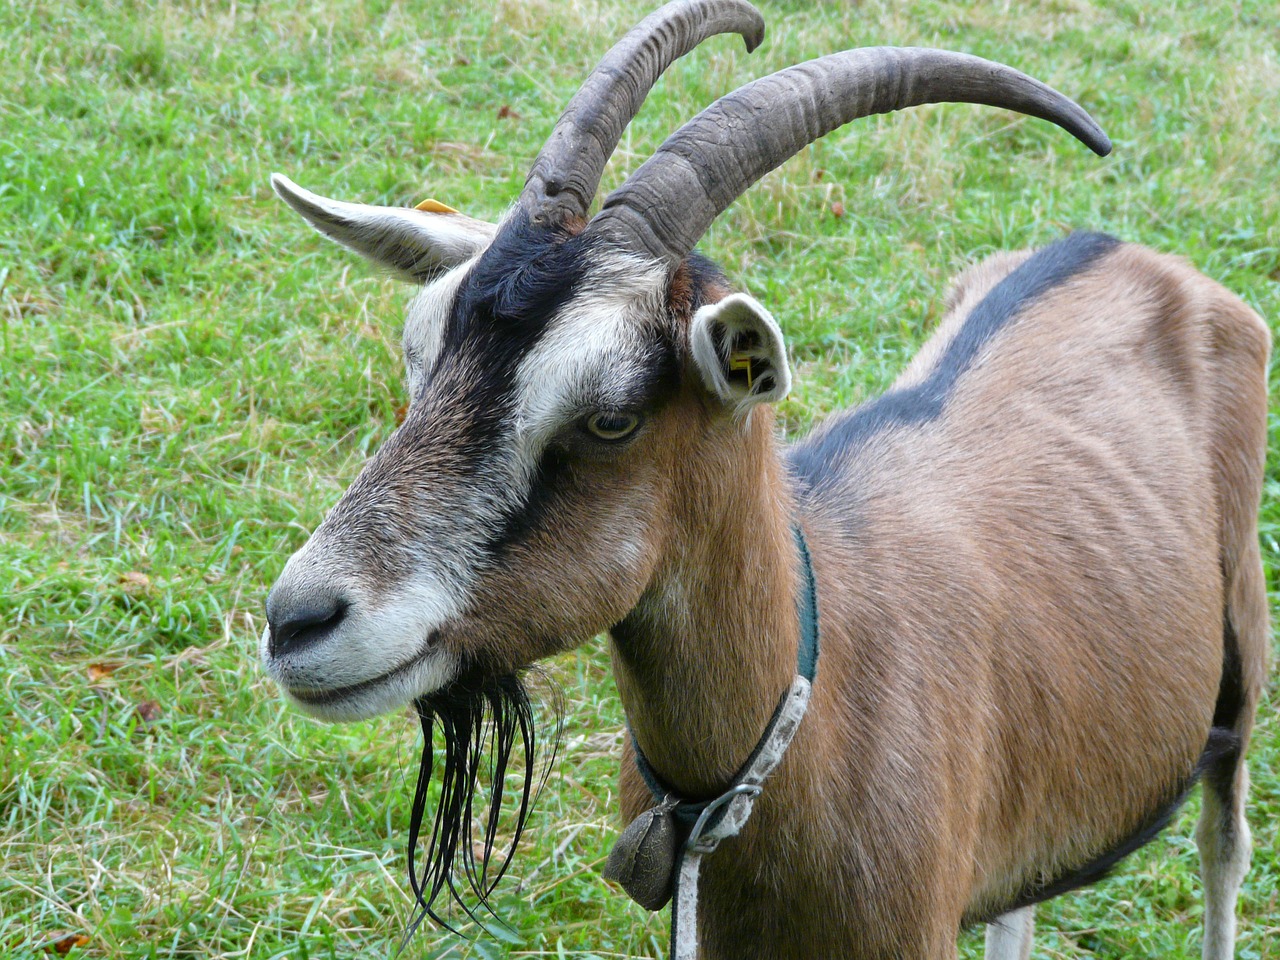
190 378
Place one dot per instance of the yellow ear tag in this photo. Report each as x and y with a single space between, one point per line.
434 206
741 361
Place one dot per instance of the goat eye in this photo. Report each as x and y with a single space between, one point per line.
612 426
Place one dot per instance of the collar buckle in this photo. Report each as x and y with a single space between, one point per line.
703 842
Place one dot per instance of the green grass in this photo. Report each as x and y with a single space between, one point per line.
190 378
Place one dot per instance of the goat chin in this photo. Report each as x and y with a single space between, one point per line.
427 674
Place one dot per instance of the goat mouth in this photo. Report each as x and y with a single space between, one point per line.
328 696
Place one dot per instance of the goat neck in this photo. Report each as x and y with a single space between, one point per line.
704 656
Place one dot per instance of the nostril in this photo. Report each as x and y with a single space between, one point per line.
306 620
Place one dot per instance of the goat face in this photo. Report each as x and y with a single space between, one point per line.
557 398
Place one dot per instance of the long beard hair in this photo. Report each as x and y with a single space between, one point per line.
480 723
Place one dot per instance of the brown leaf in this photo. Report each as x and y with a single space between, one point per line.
402 411
66 942
135 581
837 209
506 113
100 671
148 711
154 420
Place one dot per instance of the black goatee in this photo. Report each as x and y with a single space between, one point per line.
480 722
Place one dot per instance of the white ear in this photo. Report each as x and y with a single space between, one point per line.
413 243
740 352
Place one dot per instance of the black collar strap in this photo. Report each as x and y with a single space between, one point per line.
710 821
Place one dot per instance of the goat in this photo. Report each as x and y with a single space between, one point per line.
1040 589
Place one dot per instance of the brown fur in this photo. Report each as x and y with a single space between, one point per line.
1022 616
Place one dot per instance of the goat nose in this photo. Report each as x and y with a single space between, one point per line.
296 621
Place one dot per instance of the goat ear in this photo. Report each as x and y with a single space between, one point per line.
414 243
739 350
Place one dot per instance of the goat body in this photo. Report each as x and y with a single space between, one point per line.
1040 589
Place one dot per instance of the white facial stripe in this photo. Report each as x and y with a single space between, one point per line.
424 325
594 337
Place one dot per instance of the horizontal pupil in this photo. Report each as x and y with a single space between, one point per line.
611 426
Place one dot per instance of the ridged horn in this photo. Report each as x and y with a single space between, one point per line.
564 177
664 208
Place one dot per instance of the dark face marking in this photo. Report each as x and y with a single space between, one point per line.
502 310
812 460
648 389
520 283
456 425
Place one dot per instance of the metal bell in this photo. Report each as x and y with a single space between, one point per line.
643 861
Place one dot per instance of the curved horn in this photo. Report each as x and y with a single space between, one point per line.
667 204
564 178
